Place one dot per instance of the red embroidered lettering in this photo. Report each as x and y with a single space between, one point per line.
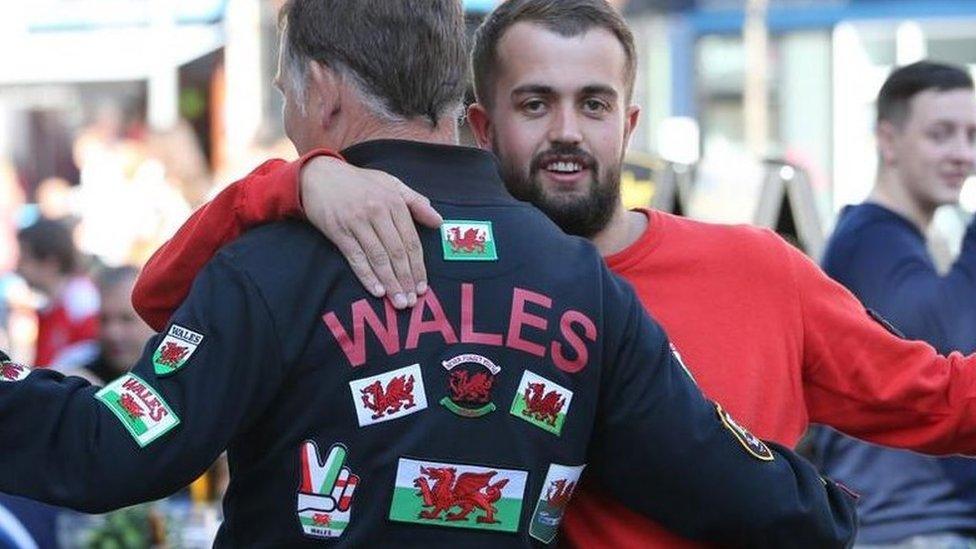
438 323
468 334
521 318
566 329
362 314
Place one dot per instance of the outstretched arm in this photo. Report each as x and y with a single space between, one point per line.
662 449
155 429
366 213
866 381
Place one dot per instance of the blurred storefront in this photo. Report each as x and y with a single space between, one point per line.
825 62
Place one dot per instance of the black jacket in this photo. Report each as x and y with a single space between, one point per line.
462 423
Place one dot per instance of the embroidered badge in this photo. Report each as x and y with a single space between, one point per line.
557 490
11 371
389 396
468 241
470 381
541 402
325 495
175 349
750 442
142 411
458 496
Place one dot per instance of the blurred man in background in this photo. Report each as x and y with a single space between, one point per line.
67 324
122 334
926 134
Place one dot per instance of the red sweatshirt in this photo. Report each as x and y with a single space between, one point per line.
804 349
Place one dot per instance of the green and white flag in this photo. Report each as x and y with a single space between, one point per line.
175 349
142 411
436 494
557 490
464 240
541 402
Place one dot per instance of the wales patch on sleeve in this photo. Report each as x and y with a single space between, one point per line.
541 402
468 241
142 411
175 350
11 371
557 490
458 496
756 447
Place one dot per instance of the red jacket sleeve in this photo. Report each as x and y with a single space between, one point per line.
269 193
863 380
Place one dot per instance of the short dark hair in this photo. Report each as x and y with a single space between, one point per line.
46 239
564 17
906 82
111 277
408 55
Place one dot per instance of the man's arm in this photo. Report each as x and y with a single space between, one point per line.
153 431
366 213
892 274
866 381
662 449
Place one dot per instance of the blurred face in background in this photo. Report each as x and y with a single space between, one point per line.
40 274
560 121
122 333
933 150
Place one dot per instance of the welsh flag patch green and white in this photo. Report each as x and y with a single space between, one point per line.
458 496
557 490
541 402
175 350
142 411
468 241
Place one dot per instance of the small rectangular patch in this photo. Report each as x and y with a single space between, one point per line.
175 350
387 396
468 241
11 371
140 408
458 496
541 402
557 490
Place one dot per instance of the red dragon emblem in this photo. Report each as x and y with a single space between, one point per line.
11 371
541 405
472 241
397 395
321 519
469 491
172 353
130 406
476 388
559 493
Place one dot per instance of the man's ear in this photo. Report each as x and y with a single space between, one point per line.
887 137
480 123
324 97
632 116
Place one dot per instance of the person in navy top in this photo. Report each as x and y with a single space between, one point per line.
926 132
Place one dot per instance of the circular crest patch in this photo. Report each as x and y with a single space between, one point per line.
750 442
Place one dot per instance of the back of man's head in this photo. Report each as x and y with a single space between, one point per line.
408 58
904 83
565 17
